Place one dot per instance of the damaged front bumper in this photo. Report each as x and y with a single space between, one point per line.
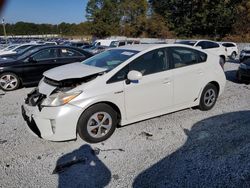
50 123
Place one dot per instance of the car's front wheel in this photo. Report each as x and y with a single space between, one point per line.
97 123
9 81
208 97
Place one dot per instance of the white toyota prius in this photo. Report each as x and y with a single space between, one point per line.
121 86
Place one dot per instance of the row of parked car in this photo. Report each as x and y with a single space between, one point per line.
23 64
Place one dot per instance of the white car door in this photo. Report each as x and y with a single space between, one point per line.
188 74
154 92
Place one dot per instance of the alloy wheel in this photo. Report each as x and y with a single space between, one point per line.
8 82
99 124
209 97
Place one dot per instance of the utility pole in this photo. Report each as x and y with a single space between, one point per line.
4 31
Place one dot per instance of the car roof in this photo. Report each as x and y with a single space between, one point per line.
57 46
143 47
227 42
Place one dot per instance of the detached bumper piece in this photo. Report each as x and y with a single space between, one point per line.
31 123
34 98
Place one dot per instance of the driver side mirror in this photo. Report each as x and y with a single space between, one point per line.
134 76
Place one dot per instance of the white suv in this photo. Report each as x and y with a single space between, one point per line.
209 46
231 48
121 86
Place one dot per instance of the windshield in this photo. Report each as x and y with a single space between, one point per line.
110 59
20 48
187 42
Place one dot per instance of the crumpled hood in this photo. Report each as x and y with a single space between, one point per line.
73 70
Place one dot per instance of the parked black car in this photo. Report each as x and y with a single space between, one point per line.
29 67
243 73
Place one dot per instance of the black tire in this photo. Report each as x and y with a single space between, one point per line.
233 56
15 81
86 117
204 101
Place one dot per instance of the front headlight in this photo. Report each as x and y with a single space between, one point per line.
243 66
60 99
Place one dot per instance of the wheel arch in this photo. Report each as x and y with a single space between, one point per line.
111 104
216 84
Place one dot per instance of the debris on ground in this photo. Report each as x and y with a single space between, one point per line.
116 177
62 167
3 141
2 93
146 134
96 151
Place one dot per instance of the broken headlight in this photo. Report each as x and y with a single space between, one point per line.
59 99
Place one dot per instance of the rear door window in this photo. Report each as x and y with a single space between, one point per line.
45 54
182 57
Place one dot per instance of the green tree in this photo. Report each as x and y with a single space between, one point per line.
133 17
104 17
242 23
195 17
156 27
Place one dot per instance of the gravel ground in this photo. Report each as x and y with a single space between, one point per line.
189 148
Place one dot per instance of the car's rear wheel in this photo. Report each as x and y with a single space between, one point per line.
208 97
97 123
9 81
233 56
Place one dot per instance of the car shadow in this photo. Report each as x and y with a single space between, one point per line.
236 61
82 168
231 76
215 154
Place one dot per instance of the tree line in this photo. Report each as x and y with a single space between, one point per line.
153 18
